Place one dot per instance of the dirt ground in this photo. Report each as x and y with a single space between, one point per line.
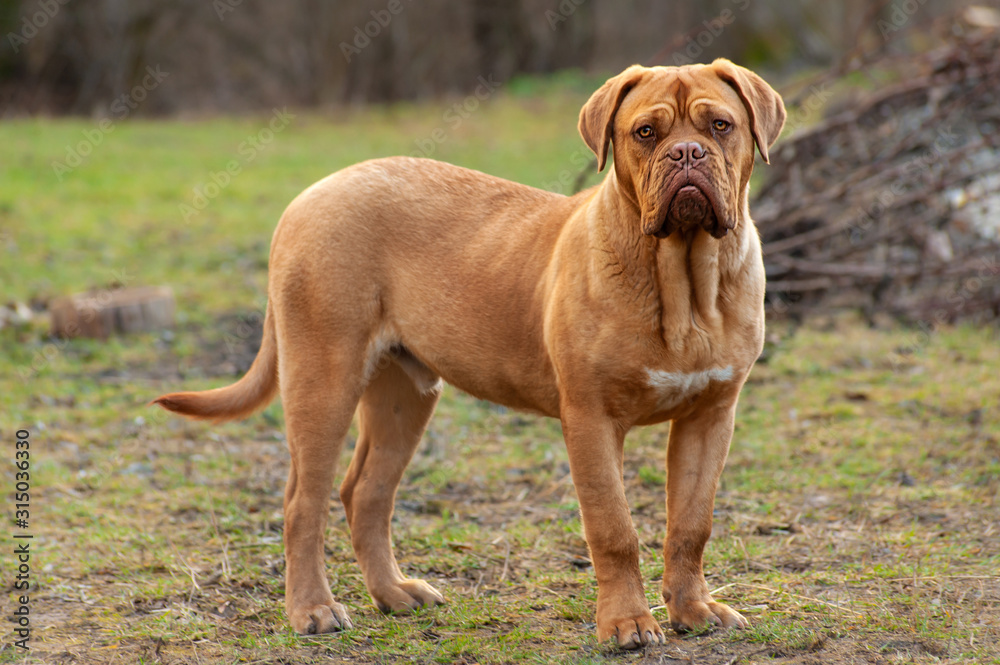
857 522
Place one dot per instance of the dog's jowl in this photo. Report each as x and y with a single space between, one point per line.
636 302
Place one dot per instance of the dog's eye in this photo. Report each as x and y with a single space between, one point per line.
645 132
720 125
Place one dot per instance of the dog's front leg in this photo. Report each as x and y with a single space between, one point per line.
696 455
595 456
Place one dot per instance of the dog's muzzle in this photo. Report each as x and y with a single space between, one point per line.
687 201
690 207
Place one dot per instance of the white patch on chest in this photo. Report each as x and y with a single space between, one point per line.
673 388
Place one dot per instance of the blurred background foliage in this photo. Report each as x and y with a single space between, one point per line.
77 56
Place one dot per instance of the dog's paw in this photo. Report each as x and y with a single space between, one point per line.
406 596
631 632
698 616
327 618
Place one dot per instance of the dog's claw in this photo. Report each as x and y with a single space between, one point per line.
320 619
407 596
701 616
633 633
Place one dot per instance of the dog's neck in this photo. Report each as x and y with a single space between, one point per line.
681 282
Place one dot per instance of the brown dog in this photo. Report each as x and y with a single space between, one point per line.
635 302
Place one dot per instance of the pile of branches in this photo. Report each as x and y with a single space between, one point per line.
893 204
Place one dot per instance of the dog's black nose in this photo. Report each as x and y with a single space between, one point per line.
688 152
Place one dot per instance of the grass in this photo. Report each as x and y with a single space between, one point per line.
857 519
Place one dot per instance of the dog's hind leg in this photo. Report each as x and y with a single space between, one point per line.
393 414
320 390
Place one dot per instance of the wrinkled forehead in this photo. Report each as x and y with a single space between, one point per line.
681 91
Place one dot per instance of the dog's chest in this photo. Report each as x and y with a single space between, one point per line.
672 389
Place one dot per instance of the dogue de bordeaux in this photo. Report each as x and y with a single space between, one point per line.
635 302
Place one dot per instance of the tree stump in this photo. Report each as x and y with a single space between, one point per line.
113 312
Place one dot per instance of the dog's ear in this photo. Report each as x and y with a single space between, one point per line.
597 117
763 104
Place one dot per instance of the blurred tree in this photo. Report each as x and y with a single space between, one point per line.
82 56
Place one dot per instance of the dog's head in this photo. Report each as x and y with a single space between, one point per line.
684 141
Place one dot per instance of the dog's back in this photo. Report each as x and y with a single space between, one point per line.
429 248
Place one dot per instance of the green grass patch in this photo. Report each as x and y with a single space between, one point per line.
857 518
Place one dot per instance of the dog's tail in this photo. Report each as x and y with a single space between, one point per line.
252 392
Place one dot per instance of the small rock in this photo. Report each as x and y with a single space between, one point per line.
138 469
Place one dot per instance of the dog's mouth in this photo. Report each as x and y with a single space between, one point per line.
689 207
686 205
